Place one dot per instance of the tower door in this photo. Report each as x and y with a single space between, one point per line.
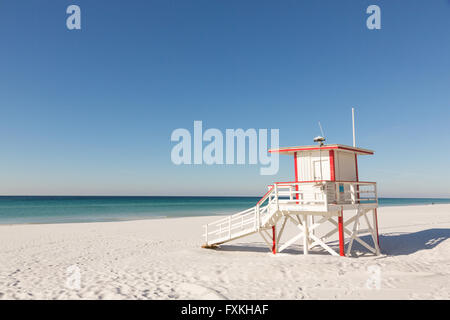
321 170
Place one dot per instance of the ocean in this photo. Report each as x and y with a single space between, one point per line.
66 209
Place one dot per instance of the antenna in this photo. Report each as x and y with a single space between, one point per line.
320 140
321 130
353 125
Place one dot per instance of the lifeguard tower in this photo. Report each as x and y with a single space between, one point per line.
326 189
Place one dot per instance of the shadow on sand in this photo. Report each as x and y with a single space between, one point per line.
398 244
392 244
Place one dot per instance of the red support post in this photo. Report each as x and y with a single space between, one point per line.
296 166
341 234
332 166
296 175
274 243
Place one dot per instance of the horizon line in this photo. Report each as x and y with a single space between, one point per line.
175 196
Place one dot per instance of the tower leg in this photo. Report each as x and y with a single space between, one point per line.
341 234
375 227
305 235
274 241
375 213
311 223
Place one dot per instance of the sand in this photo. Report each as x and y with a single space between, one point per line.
162 259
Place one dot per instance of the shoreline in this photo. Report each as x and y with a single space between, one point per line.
182 217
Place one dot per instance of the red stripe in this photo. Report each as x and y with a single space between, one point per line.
265 194
332 166
322 148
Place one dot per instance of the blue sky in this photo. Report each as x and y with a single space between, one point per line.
91 111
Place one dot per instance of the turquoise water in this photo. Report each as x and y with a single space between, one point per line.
64 209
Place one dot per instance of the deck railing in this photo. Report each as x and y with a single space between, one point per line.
326 192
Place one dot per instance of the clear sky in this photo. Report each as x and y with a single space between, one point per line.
91 111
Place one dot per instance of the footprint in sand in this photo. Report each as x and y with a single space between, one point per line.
390 283
197 292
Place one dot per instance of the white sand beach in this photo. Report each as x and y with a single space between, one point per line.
162 259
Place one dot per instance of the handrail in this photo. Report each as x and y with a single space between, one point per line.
233 215
319 181
264 197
